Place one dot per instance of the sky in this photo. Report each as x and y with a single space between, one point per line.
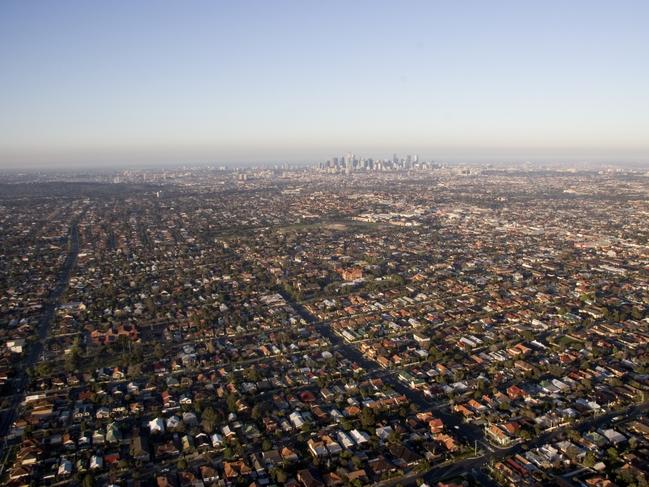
97 83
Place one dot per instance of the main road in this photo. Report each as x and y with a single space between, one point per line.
21 381
468 432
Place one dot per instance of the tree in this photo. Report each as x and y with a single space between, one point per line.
252 374
626 476
394 437
573 435
72 358
589 459
239 449
209 419
256 412
231 401
367 417
158 351
42 369
280 476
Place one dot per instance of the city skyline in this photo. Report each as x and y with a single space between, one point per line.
92 84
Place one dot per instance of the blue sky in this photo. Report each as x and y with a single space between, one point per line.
96 82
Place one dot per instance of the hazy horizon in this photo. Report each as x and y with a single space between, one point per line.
92 84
